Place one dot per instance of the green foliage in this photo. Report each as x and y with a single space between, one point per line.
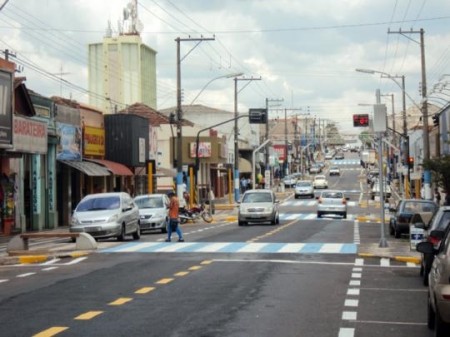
365 138
441 168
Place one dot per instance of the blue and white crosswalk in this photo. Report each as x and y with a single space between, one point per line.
233 247
310 202
312 216
345 162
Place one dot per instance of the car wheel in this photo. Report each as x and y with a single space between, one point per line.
121 237
296 197
274 221
319 215
241 223
344 216
430 315
164 230
137 234
312 196
277 221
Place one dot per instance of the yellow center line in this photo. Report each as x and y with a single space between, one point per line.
121 300
206 262
274 231
164 281
54 330
89 315
144 290
181 273
195 268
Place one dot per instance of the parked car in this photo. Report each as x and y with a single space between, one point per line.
332 202
406 208
258 206
329 155
153 211
304 188
439 221
289 181
105 215
320 181
334 171
438 283
339 156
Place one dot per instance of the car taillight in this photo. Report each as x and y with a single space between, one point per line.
446 297
435 241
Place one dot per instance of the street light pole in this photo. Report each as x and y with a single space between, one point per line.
212 80
236 133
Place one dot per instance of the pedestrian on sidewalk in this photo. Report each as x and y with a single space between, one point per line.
173 225
437 196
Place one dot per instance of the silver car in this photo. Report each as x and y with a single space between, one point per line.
304 188
438 283
105 215
332 202
258 206
153 211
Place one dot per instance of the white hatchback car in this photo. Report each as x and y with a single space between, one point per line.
105 215
153 211
258 206
320 181
304 188
332 202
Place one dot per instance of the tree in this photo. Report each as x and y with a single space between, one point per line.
440 166
365 138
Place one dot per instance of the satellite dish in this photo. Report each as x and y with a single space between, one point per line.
139 26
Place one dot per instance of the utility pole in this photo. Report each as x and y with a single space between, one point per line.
426 139
236 132
179 112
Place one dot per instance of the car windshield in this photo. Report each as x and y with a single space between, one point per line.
334 168
304 184
320 178
332 195
257 197
149 202
99 204
416 207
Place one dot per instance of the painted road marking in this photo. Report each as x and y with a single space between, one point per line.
120 301
54 330
88 315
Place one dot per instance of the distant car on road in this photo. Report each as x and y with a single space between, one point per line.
329 155
153 211
332 202
315 168
105 215
334 171
258 206
304 188
406 208
339 156
320 181
289 181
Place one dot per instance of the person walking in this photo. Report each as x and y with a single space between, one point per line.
437 196
174 205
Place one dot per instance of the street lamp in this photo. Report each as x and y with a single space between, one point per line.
212 80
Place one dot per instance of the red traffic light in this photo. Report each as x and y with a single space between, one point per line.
361 120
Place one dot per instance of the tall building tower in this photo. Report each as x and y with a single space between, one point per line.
122 69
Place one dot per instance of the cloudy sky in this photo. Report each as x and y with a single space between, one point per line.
305 52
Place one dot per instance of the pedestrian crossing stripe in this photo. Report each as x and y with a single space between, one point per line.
312 203
312 216
346 162
233 247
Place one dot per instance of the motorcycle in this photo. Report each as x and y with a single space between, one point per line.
194 213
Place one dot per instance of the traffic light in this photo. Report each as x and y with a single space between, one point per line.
435 120
361 120
411 162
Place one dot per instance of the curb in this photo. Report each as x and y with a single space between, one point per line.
399 258
33 259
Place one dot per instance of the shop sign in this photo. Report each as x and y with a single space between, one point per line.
94 141
204 150
29 136
281 151
6 109
69 142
